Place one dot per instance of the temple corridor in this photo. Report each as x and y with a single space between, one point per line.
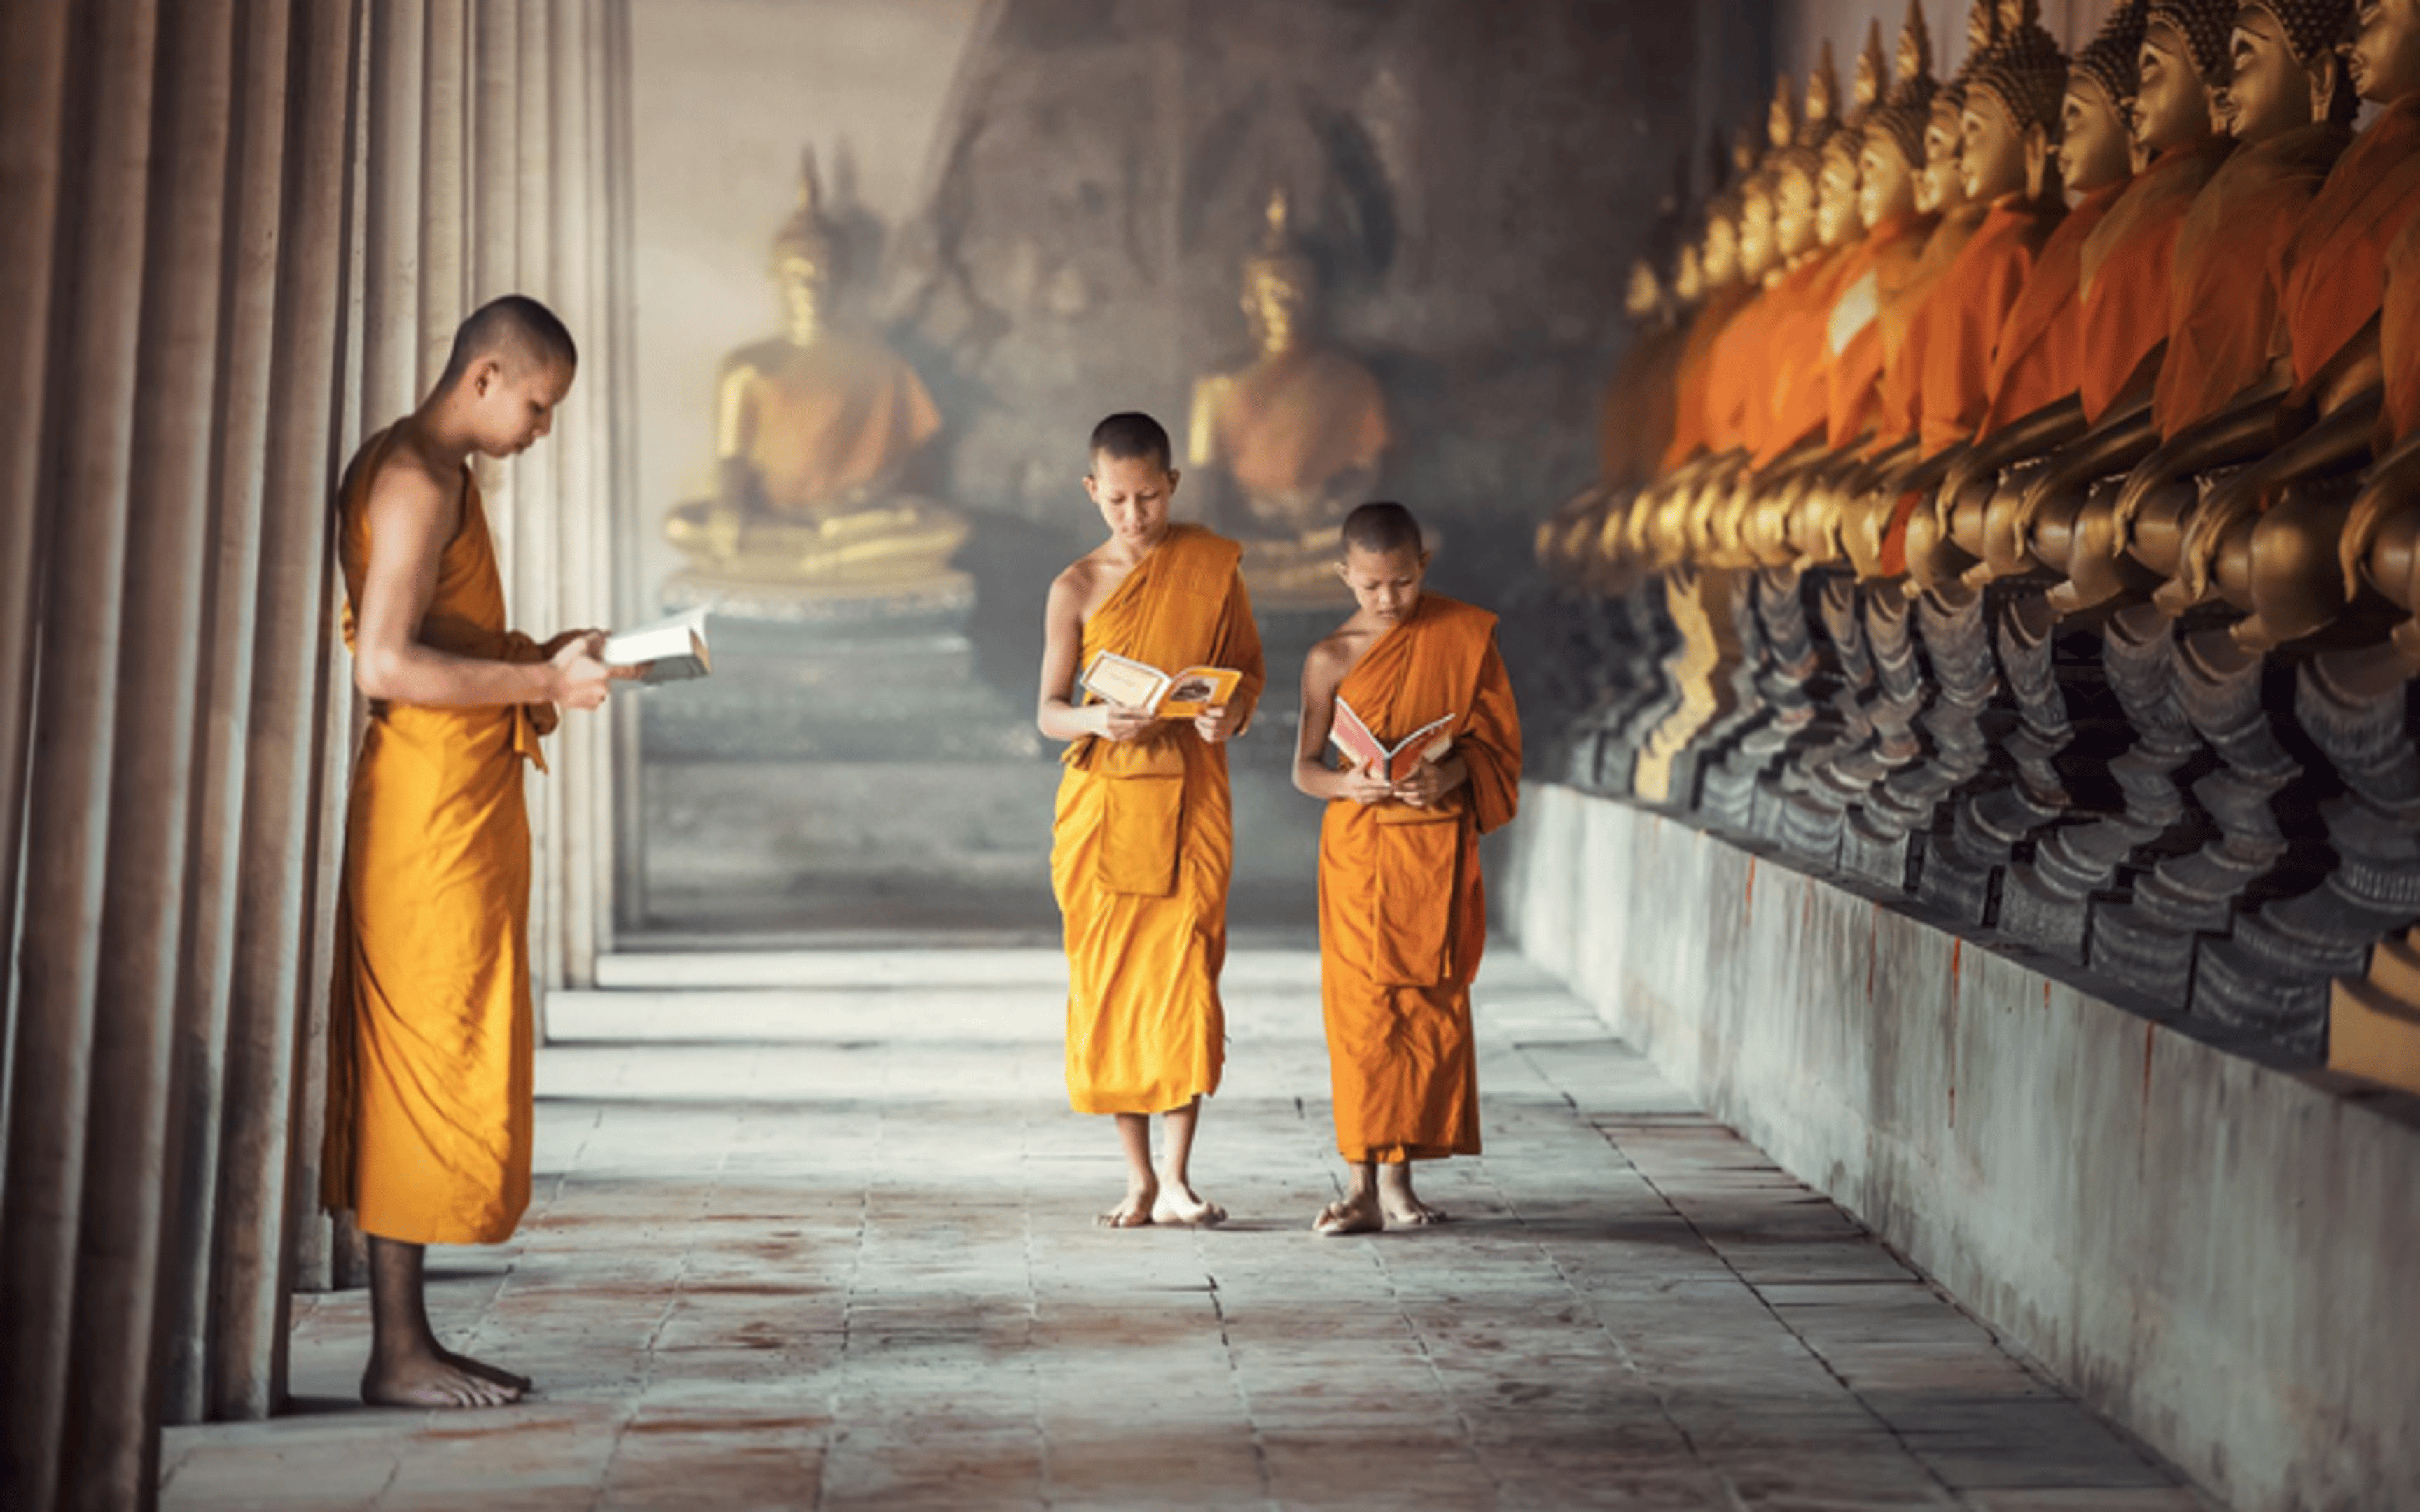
830 1245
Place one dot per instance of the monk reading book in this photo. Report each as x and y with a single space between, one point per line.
430 1033
1403 917
1142 847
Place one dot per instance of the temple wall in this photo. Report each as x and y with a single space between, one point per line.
2216 1252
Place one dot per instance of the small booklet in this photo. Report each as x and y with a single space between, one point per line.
1429 743
1135 685
674 648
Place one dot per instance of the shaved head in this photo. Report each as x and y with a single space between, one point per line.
1131 436
517 332
1381 529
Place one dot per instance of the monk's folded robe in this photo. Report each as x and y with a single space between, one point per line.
832 417
1289 423
1142 845
1693 382
430 1029
1904 321
2127 260
1403 916
2038 358
2333 274
1887 262
1966 311
1800 380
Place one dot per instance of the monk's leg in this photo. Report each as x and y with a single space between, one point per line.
408 1366
1403 1208
1178 1202
1358 1211
1142 1187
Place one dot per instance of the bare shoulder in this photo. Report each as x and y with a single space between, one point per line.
1332 657
1087 584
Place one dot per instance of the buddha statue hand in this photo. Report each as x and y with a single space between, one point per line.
2387 492
2224 500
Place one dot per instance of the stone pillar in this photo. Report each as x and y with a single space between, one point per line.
581 567
390 236
530 553
444 190
630 601
85 457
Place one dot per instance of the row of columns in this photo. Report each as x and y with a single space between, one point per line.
279 212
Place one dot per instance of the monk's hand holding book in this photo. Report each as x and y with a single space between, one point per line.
1430 781
1120 723
1218 722
1365 784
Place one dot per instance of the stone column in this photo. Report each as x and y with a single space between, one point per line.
445 191
258 145
391 235
85 457
531 570
276 984
631 603
580 564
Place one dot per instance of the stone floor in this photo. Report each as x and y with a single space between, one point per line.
829 1244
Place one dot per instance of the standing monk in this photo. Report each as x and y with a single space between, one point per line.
1142 846
429 1020
1403 916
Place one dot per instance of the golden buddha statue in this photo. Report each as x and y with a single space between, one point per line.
814 432
1298 432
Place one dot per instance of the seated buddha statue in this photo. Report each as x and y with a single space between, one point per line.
1297 432
814 431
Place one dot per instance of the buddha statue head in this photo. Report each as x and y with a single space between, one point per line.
1760 253
2094 146
1798 165
1837 220
803 256
2384 62
1642 298
1688 275
2184 52
1890 148
1279 284
2282 68
2011 112
1720 263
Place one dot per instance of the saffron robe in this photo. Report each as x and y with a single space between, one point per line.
1693 373
1739 375
1800 360
1963 317
1291 421
833 418
2126 265
1142 845
2223 326
1635 424
2335 268
430 1028
1402 913
1901 394
1886 261
2037 359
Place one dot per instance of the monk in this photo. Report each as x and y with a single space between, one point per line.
1142 847
430 1104
1403 916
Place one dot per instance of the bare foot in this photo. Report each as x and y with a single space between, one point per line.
1134 1212
1182 1206
1403 1207
427 1380
1355 1214
484 1371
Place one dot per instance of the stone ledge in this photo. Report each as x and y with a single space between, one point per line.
2216 1251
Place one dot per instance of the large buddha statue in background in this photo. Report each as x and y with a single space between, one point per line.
1297 432
815 430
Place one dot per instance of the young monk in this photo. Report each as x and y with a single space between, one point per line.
1142 846
1403 917
429 1022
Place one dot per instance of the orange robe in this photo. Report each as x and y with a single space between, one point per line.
1693 376
1963 317
2038 358
1738 376
1886 261
1402 914
430 1029
2335 268
1900 395
2222 289
1289 423
1142 845
1800 361
827 419
1635 424
2126 265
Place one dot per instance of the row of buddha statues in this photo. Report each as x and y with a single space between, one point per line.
2010 505
823 435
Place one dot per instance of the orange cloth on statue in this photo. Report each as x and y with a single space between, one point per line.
1290 423
1900 396
2335 266
1693 375
2126 263
1965 312
2038 358
1886 260
1801 359
430 1030
1635 424
832 417
1402 913
1142 845
2223 290
1739 374
2398 340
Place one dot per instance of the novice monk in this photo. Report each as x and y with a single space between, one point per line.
429 1022
1403 917
1141 847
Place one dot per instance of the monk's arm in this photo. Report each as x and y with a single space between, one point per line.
1062 640
1312 776
411 519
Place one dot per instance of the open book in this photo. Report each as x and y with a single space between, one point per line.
1429 743
1135 685
674 647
